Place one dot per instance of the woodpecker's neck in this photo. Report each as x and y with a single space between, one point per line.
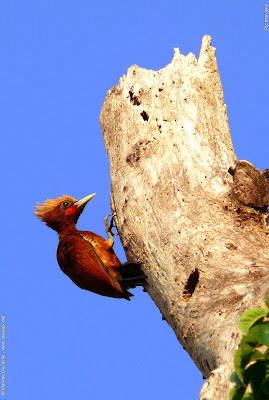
65 226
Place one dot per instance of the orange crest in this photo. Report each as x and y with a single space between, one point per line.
50 205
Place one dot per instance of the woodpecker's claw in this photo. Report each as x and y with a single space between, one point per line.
109 226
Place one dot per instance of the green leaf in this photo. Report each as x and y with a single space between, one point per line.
234 378
265 386
246 350
236 393
249 317
251 339
266 354
263 334
241 359
255 374
267 369
249 396
256 355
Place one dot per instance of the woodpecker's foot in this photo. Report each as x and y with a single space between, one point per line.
109 226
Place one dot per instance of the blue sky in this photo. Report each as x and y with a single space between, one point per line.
58 59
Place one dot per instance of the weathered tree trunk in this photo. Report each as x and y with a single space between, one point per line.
201 239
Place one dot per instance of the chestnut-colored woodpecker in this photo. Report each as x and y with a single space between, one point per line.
87 258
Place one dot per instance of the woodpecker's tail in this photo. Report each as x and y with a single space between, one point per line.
132 276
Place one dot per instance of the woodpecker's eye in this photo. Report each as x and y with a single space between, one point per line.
66 204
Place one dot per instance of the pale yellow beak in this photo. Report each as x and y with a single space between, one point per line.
84 201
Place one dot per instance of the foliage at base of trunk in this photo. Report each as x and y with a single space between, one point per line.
251 360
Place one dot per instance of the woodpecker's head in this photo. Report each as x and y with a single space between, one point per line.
62 212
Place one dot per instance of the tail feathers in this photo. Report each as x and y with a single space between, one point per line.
132 276
127 295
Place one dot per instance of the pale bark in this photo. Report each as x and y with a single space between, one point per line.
202 240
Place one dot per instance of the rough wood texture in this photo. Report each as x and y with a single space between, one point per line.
202 240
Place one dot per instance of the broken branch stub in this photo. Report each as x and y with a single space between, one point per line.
203 249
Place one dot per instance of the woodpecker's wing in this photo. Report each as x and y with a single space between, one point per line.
104 249
78 259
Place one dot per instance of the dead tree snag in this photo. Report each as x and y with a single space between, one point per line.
192 216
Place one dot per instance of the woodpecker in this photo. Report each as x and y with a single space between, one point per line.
85 257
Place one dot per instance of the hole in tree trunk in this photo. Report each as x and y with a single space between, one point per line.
191 285
134 99
144 115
